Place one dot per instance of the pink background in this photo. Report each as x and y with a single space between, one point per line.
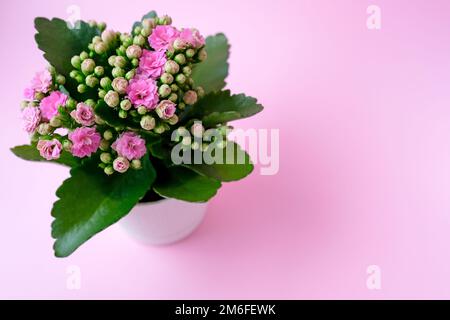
364 119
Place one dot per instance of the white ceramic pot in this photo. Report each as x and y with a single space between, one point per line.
163 222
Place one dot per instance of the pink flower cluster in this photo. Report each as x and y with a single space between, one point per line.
163 37
143 92
85 141
41 82
129 145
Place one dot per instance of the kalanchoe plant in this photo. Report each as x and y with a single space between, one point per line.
112 106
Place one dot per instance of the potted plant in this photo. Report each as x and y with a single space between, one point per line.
131 114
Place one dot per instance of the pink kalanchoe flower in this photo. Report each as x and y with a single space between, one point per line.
31 116
84 115
143 92
151 64
166 109
85 141
192 37
28 93
49 105
49 149
129 145
121 164
41 81
163 37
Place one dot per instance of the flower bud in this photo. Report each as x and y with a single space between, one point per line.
84 55
109 170
105 83
76 62
92 23
179 44
136 164
171 67
165 20
96 39
108 36
55 122
200 92
159 129
82 88
135 62
90 102
174 87
121 164
98 120
149 23
60 79
190 53
147 122
142 110
108 135
145 32
125 104
173 97
134 113
181 105
67 145
190 97
120 62
167 78
112 60
181 78
121 51
39 96
170 52
99 71
112 99
123 114
130 74
101 94
174 120
105 157
134 51
44 129
91 81
117 72
120 85
87 66
100 48
139 40
101 26
187 71
164 91
137 30
180 59
104 145
202 54
71 103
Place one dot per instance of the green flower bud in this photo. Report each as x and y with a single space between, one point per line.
104 145
174 87
120 62
87 66
159 129
187 71
117 72
120 85
174 120
167 78
109 36
142 110
39 96
136 164
76 62
91 81
180 78
137 30
96 39
164 91
170 52
145 32
200 92
125 104
99 71
181 105
101 26
109 170
73 74
101 94
60 79
90 102
190 97
105 157
165 20
55 122
112 60
130 74
190 53
147 123
83 56
202 54
90 47
121 51
112 99
123 114
134 113
149 23
99 120
100 48
67 145
71 103
180 59
179 44
79 78
105 83
135 62
44 129
92 23
173 97
134 51
139 40
171 67
108 135
82 88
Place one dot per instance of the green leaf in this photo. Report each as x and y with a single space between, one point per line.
238 167
211 73
30 153
151 14
222 107
184 184
60 43
90 201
